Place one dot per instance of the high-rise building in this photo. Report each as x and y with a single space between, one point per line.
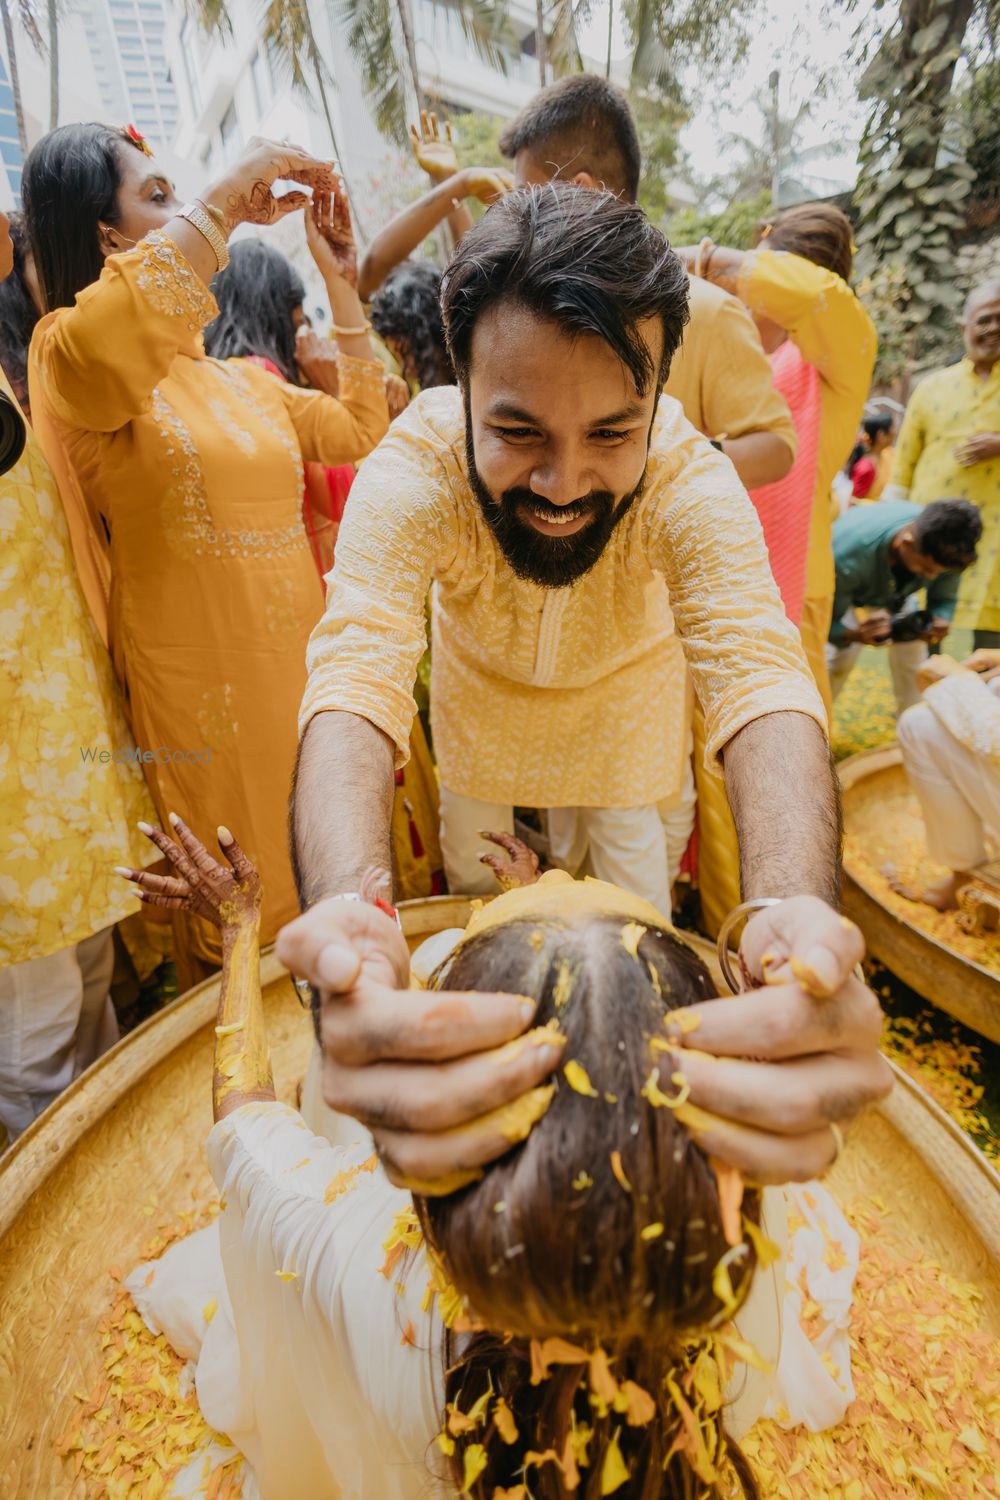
127 40
11 157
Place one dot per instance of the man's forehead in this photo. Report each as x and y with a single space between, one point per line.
516 349
984 304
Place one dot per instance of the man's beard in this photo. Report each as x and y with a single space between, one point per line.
554 562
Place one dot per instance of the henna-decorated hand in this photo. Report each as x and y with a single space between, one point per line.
433 147
317 359
330 236
227 897
243 195
517 866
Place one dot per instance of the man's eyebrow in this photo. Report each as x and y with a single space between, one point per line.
509 411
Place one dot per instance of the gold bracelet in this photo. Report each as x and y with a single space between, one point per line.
216 214
197 216
349 333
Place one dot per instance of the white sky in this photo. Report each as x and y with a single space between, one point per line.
802 40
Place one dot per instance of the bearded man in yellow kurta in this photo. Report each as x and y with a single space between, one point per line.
574 526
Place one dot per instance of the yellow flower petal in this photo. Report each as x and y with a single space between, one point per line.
577 1078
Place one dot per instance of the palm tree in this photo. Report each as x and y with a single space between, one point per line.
374 28
26 16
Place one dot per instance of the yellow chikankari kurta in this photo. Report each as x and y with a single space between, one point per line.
67 816
721 375
553 697
193 469
945 409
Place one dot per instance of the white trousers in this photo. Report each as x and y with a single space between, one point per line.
958 790
638 848
56 1018
905 658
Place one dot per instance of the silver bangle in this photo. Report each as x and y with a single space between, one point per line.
738 913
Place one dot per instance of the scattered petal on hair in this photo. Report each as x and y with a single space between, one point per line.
231 1029
504 1419
651 1232
581 1181
657 1098
729 1185
516 1492
409 1338
722 1284
614 1470
632 935
473 1463
619 1171
580 1434
465 1421
568 1464
446 1443
767 1251
603 1385
405 1234
610 1098
287 1275
654 979
578 1079
210 1309
563 987
637 1404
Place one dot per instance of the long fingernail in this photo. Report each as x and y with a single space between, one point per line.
173 818
225 837
121 870
146 828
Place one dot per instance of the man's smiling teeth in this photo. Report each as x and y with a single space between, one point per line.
571 513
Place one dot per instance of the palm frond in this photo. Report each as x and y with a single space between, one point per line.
211 15
286 29
27 19
487 29
371 37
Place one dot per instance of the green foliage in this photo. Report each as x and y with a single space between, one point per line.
885 294
477 140
980 106
659 116
913 184
735 226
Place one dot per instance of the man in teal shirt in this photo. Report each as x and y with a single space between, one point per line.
883 555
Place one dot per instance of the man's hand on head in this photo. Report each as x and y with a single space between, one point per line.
771 1070
411 1064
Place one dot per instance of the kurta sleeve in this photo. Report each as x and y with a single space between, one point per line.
343 429
909 446
398 531
745 655
100 360
738 392
823 317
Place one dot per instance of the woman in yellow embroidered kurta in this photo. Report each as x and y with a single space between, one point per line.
192 469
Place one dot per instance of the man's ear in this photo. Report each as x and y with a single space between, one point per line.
584 180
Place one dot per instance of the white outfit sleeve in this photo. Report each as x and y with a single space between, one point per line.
326 1374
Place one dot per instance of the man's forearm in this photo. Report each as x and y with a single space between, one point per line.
341 806
786 806
759 457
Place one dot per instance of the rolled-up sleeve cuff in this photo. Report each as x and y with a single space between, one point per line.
800 697
380 703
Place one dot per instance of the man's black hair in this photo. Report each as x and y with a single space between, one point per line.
948 531
584 261
580 124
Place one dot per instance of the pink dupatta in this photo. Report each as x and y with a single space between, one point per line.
785 507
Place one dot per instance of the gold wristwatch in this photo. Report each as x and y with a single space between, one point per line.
208 223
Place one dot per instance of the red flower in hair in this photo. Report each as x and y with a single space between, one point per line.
138 140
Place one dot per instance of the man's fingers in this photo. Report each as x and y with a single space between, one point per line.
422 1025
328 944
430 1097
762 1158
788 1098
782 1021
820 946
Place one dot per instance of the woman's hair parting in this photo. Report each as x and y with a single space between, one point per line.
871 427
257 294
592 1258
819 232
70 185
407 309
585 261
18 315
